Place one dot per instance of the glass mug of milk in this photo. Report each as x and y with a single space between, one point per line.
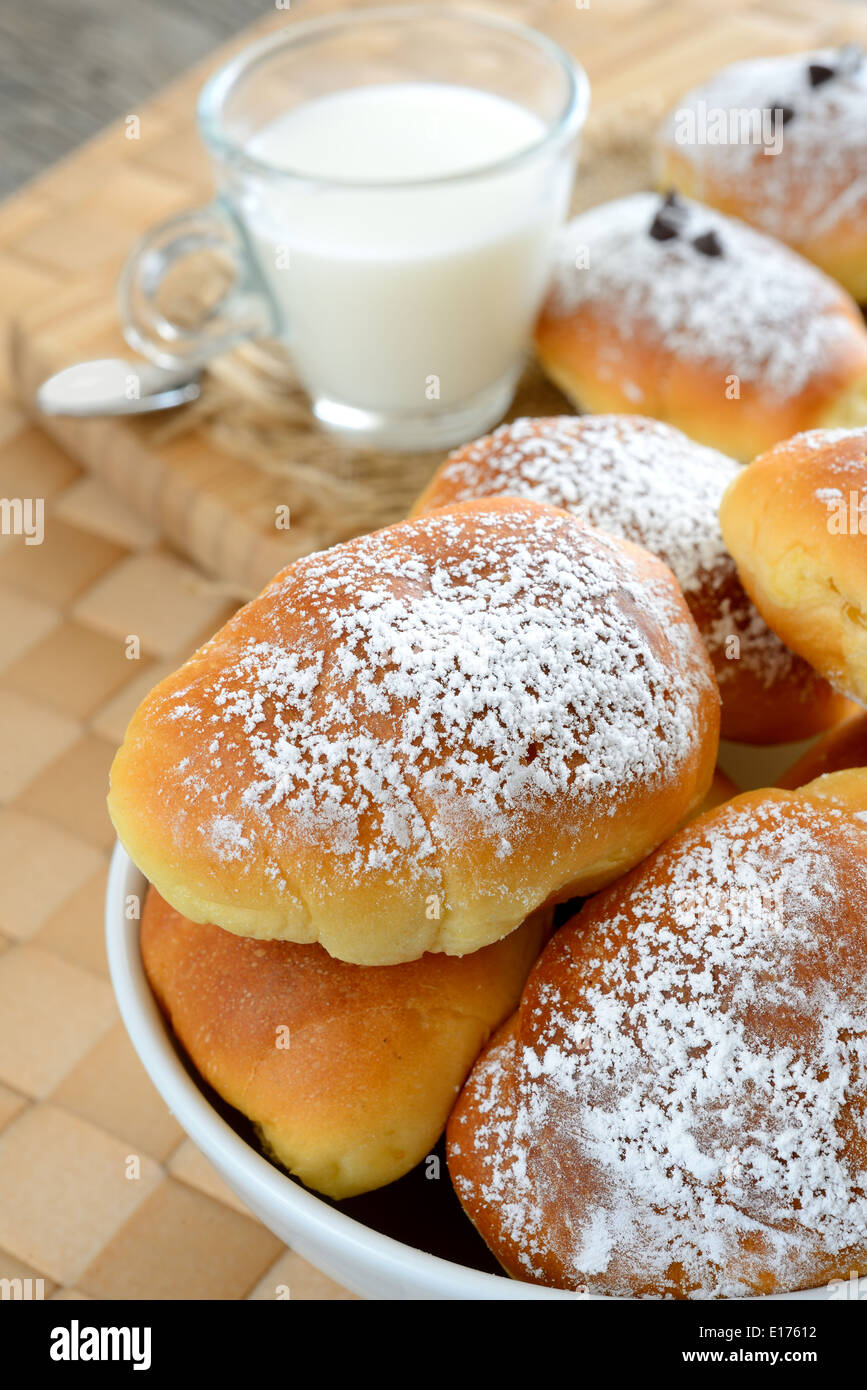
389 182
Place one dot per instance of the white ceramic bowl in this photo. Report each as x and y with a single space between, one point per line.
359 1256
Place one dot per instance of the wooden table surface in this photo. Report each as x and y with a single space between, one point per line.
69 67
74 1101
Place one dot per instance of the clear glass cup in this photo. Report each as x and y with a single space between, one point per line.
406 303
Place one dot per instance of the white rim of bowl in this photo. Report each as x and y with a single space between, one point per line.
152 1040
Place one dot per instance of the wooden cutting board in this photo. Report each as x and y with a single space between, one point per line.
68 233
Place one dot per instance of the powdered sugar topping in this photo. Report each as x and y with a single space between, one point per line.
696 1074
453 673
756 311
818 180
644 481
815 440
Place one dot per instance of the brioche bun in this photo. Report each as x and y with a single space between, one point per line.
739 345
348 1073
792 522
812 191
410 742
678 1107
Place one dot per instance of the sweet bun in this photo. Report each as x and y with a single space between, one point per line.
812 190
411 741
347 1073
679 1106
842 747
674 310
644 481
792 520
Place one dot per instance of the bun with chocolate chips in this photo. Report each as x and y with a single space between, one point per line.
671 309
793 157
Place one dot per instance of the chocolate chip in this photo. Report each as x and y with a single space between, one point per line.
708 244
661 229
670 217
819 73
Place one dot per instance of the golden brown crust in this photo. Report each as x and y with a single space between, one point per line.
643 481
412 741
843 747
348 1072
738 349
678 1107
792 523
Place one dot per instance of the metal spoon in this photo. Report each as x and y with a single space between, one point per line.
115 386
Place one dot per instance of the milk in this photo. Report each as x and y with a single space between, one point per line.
397 293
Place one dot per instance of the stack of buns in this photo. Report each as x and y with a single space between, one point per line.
359 804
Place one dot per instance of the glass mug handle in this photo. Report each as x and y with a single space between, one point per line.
241 311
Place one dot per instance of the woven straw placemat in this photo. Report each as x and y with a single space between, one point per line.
75 1103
